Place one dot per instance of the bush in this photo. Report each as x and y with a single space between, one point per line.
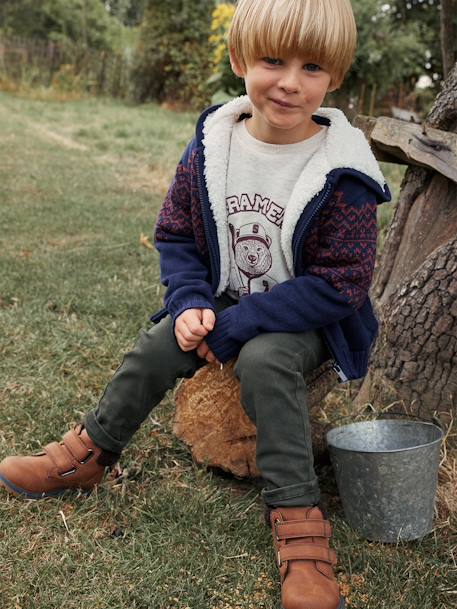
224 83
70 23
173 58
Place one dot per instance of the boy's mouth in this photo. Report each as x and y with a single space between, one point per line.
281 103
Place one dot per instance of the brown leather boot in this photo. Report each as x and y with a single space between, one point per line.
301 537
69 464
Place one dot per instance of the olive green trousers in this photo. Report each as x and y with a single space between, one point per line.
271 369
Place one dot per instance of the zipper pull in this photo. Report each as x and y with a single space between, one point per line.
342 377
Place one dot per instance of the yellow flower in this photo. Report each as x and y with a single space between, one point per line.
221 19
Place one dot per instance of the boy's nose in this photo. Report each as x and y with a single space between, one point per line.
289 81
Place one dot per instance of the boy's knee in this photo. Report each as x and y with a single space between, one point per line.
259 355
282 352
157 355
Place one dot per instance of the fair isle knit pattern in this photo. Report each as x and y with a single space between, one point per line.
341 248
181 214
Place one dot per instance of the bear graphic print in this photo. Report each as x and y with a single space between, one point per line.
252 256
257 262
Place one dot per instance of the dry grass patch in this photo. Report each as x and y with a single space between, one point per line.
57 138
447 493
146 178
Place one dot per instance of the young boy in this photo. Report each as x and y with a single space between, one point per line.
267 242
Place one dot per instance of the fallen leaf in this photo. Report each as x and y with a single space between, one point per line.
145 242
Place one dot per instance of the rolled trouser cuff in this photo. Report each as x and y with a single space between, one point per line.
293 495
99 436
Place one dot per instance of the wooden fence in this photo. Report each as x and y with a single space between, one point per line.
37 62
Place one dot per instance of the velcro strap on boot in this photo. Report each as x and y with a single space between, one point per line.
76 446
306 552
61 458
292 529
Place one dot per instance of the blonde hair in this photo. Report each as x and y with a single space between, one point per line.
322 30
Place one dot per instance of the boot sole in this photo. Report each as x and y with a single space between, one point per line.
342 604
20 492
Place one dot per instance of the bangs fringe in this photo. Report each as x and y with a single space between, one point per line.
323 31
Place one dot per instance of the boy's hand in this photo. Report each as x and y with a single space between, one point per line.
205 352
192 326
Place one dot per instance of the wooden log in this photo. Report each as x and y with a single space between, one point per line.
211 421
396 141
405 115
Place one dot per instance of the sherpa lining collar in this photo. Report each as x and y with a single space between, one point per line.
345 146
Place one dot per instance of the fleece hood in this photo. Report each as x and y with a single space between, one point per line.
344 150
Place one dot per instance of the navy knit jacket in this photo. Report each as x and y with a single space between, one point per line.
333 248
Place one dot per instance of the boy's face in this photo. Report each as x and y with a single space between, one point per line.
284 94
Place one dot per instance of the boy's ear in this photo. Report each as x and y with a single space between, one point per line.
332 87
236 65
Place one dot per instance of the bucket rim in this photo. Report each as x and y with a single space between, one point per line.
437 440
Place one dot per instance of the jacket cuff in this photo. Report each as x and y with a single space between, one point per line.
193 303
219 341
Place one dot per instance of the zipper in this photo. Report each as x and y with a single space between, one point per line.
212 247
317 208
319 205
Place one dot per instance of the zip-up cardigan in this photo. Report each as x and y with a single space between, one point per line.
328 238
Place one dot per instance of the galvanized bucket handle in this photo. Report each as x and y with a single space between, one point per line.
386 415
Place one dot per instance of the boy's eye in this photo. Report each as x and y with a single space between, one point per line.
273 61
312 67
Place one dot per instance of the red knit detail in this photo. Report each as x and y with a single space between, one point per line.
341 247
181 213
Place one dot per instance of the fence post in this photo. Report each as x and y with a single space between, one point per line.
361 104
373 100
102 74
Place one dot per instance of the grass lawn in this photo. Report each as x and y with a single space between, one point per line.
79 183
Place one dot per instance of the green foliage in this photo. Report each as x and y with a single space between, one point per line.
128 12
172 60
426 14
181 56
223 81
388 51
67 80
72 23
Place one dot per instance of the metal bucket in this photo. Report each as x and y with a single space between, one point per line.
387 474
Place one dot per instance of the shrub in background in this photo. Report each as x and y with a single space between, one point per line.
173 58
71 23
223 82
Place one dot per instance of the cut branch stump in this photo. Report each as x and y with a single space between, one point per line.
396 141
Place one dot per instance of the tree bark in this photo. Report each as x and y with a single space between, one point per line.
415 288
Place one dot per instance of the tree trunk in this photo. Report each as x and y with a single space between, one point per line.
448 9
415 287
